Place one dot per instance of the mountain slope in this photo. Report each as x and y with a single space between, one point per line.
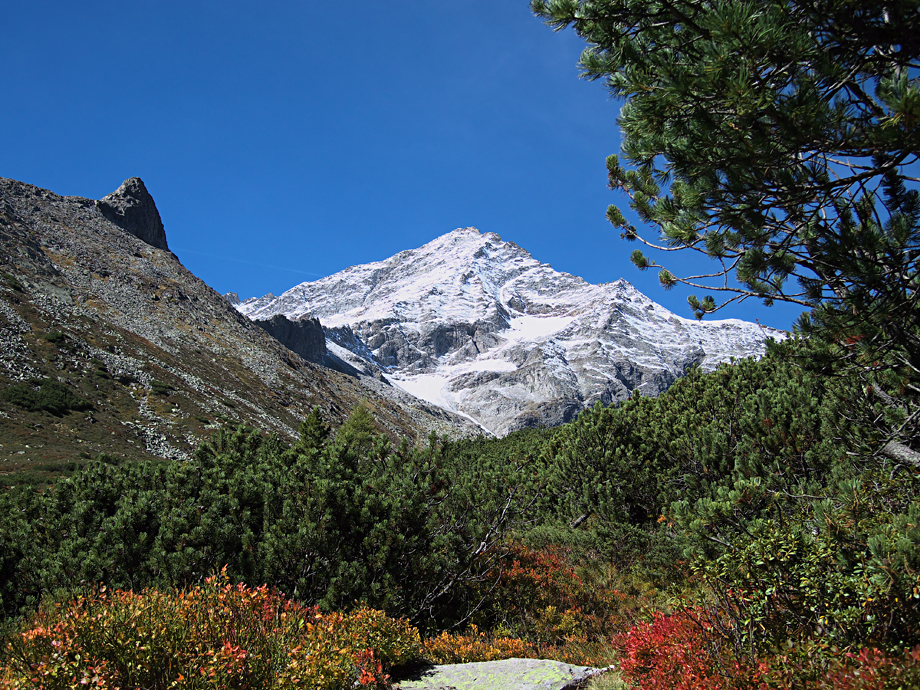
91 298
478 326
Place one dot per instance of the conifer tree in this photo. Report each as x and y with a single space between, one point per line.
779 140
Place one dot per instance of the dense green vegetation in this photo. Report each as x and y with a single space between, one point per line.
733 497
327 520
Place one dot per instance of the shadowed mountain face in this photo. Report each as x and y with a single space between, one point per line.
90 298
478 326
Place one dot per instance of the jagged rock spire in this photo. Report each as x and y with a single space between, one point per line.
132 208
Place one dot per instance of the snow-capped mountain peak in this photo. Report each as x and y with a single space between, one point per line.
478 326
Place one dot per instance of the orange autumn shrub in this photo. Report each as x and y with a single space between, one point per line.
349 650
475 646
214 636
537 603
597 653
539 595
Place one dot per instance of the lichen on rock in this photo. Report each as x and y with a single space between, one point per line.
507 674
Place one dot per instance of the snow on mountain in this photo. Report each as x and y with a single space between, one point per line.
479 327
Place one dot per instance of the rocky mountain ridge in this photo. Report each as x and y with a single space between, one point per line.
92 304
477 326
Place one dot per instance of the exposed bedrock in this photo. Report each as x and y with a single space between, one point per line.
132 208
304 336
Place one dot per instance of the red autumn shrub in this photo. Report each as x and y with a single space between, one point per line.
815 667
680 652
676 652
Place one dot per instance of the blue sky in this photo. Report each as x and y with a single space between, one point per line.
285 141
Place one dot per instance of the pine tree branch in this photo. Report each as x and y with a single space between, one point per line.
577 521
901 453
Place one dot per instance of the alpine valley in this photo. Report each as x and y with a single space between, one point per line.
477 326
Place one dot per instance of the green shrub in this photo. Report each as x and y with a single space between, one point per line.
792 530
101 370
12 282
51 396
816 665
54 337
160 388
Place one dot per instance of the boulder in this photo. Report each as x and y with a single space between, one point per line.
507 674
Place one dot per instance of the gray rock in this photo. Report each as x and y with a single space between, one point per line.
508 674
304 335
132 208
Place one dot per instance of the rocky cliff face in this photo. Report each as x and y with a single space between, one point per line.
478 326
132 208
304 335
159 356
